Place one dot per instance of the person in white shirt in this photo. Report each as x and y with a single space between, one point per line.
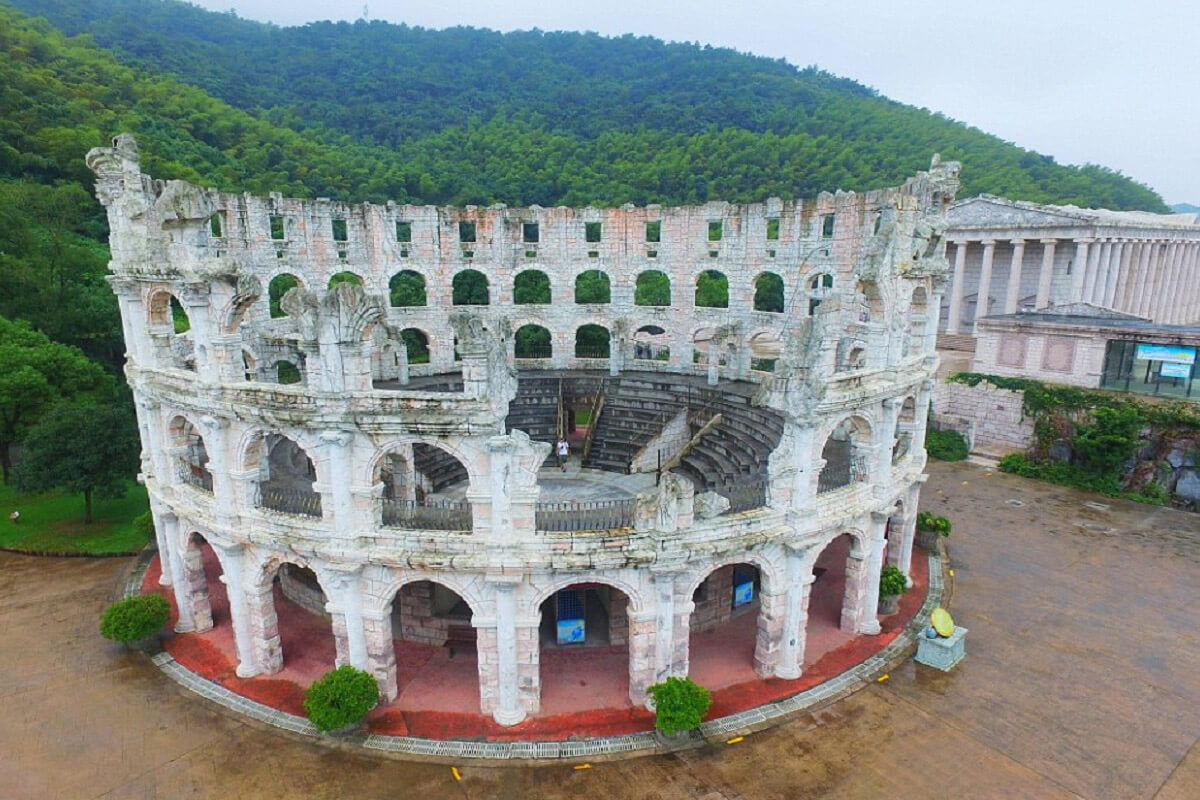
563 450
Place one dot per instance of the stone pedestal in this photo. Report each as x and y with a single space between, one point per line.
943 654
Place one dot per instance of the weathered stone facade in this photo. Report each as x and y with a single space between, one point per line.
329 473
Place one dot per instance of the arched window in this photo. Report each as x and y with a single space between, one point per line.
168 315
345 277
417 344
470 288
591 341
286 372
531 287
592 287
653 288
407 288
768 292
712 289
845 454
532 341
651 343
278 287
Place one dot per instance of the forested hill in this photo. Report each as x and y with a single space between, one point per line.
473 116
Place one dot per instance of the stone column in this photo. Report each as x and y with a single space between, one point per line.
381 650
1190 293
642 653
1079 268
799 571
195 297
983 296
500 457
713 363
885 437
216 436
956 288
264 628
507 710
860 606
179 582
402 362
337 499
664 634
1120 267
1125 283
1046 275
344 605
1161 272
233 576
162 543
932 321
1096 265
616 353
1141 273
1171 295
772 603
1014 276
195 586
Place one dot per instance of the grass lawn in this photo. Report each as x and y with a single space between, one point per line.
53 522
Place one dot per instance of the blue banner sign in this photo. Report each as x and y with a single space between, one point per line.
1172 370
743 593
570 631
1165 352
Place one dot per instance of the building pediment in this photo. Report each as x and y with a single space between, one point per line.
984 211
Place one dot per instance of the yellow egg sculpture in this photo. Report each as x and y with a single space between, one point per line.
941 621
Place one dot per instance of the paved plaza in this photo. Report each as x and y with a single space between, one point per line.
1081 681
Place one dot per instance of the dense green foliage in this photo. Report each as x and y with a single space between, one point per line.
89 449
135 618
475 116
892 582
932 523
340 697
679 704
946 445
1101 433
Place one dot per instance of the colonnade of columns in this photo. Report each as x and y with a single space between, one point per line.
1153 278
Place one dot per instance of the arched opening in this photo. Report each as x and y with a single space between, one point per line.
768 293
406 288
417 344
723 628
170 325
344 277
531 287
826 600
207 599
584 641
470 288
191 458
437 668
249 366
703 343
906 424
653 288
712 289
819 287
287 372
592 287
306 646
651 343
424 488
869 301
856 359
532 341
845 455
277 288
765 349
385 354
285 476
591 341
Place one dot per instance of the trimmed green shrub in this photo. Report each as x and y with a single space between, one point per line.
679 704
932 523
892 582
946 445
135 618
340 698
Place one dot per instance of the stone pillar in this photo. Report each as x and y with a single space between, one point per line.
507 709
216 438
642 653
1190 293
233 576
337 499
1153 280
713 362
956 288
402 362
1170 294
1129 262
264 628
1120 267
381 650
344 604
616 354
195 297
1096 264
1079 269
1046 274
860 606
1141 273
885 437
500 457
799 576
179 581
772 603
195 586
664 634
983 296
932 321
1013 295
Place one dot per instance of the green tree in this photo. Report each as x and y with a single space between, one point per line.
470 288
531 287
81 448
768 292
592 287
407 288
36 373
653 288
712 289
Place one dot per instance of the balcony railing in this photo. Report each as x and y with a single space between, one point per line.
744 496
439 516
838 473
195 476
598 515
290 501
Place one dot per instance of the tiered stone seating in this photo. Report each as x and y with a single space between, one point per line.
635 410
736 450
535 408
441 468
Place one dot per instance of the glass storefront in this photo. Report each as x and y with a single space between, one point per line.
1163 369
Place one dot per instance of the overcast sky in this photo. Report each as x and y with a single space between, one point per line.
1105 81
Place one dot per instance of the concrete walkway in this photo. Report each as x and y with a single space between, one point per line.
1081 681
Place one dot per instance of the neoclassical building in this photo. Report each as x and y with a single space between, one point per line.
1012 256
352 407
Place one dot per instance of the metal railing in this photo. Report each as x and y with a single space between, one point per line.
599 515
744 496
195 476
438 516
532 354
841 473
290 501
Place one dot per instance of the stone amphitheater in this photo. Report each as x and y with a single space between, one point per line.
349 411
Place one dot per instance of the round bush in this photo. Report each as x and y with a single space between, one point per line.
679 704
340 698
892 582
135 618
932 523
